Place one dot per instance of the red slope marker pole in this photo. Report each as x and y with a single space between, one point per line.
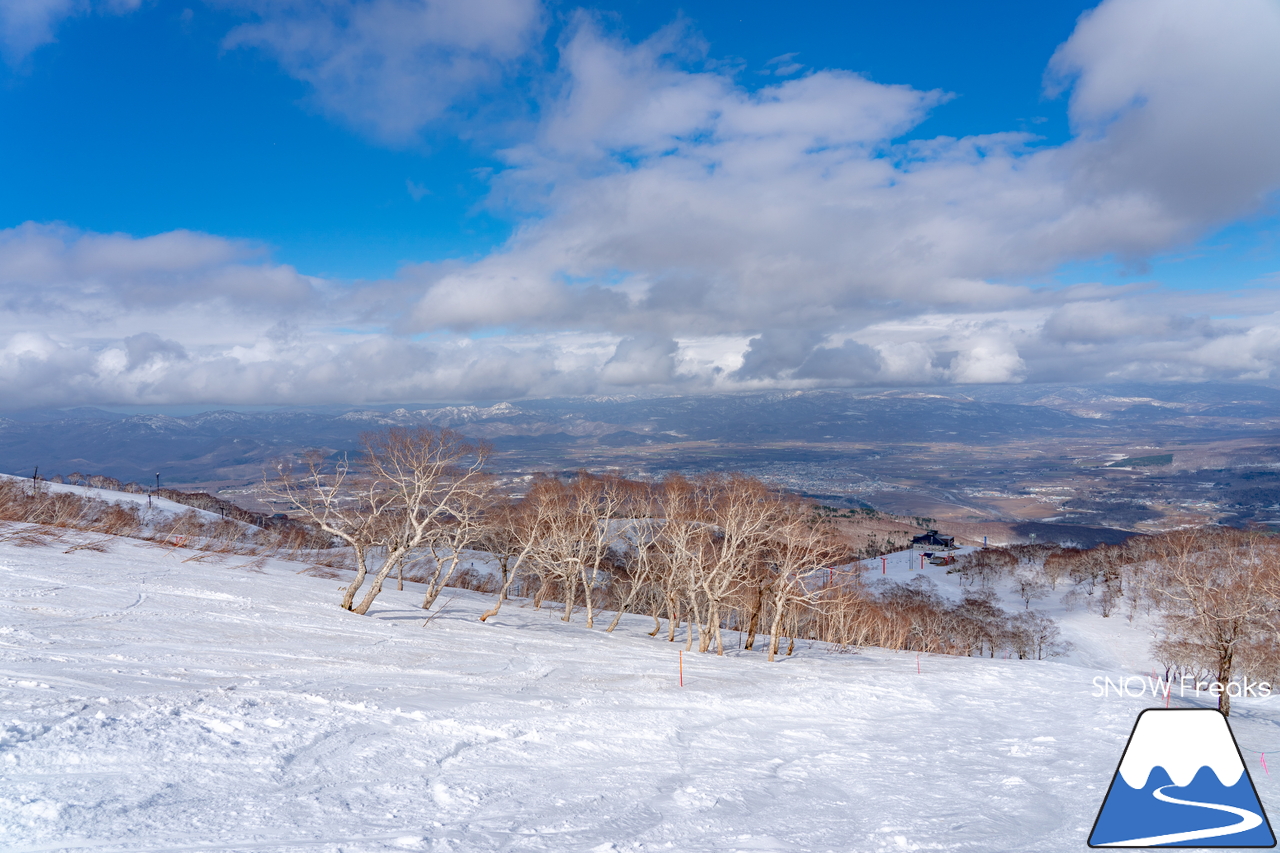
884 565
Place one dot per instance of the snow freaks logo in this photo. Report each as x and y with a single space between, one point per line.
1181 783
1138 685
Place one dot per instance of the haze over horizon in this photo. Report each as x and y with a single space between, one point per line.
294 203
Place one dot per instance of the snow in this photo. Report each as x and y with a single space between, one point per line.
1114 643
149 702
158 507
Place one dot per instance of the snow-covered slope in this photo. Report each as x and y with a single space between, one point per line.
1113 643
150 701
156 506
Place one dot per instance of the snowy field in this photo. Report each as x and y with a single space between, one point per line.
153 702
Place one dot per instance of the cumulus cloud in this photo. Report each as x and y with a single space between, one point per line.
1173 101
392 66
850 362
776 352
184 317
790 213
643 360
678 230
54 369
54 274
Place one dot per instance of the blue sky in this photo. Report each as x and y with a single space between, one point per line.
278 201
144 123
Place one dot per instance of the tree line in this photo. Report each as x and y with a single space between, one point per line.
702 556
1213 592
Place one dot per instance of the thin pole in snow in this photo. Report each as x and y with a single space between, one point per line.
682 667
1264 763
884 565
917 663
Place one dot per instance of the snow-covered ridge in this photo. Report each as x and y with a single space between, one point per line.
444 416
158 505
1181 741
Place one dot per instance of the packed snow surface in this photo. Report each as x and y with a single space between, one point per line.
156 699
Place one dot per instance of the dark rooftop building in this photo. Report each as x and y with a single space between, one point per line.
933 541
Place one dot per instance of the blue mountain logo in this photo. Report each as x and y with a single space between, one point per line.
1181 783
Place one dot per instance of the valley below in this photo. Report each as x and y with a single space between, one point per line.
1062 462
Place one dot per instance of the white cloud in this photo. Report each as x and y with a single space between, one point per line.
1174 101
57 277
392 66
643 360
679 231
783 66
992 361
54 369
27 24
385 67
790 215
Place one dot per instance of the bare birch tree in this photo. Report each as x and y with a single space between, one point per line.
798 549
686 546
600 505
498 535
1218 592
562 534
456 529
746 515
408 485
518 531
642 570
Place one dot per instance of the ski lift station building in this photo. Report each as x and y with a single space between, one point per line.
932 541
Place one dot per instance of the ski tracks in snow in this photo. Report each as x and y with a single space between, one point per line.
219 710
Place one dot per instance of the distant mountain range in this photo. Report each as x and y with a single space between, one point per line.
225 446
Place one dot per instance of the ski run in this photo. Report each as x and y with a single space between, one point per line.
154 698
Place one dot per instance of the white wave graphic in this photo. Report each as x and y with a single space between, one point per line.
1248 820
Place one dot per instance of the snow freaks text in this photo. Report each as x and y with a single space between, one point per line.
1142 685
